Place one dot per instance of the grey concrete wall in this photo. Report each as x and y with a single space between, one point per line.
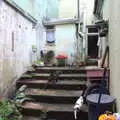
15 50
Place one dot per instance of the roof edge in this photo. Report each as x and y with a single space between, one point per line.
60 21
21 11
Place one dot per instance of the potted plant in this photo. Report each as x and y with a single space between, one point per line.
34 48
49 57
61 59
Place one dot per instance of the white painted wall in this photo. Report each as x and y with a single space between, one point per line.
65 39
14 63
68 8
111 12
86 11
114 42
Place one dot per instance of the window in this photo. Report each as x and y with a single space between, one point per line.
50 34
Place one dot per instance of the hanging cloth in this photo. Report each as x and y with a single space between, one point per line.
50 37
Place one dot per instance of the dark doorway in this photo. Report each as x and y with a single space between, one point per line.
92 46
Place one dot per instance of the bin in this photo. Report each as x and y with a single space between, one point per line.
106 104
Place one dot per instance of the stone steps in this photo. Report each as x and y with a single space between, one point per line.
61 84
54 111
54 96
63 69
44 76
57 98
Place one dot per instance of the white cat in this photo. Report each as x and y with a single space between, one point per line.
78 105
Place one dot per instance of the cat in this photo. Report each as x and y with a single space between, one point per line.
53 77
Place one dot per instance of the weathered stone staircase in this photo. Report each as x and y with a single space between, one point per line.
57 99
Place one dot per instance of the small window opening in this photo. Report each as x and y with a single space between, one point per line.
50 34
92 46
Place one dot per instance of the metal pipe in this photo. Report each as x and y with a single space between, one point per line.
78 8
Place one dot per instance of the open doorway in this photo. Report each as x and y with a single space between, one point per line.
92 46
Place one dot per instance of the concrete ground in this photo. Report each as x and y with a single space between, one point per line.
33 118
30 118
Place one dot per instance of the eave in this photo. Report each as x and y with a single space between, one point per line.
21 11
60 22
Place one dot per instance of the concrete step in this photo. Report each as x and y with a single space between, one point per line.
45 76
61 84
54 96
53 111
70 68
63 69
61 76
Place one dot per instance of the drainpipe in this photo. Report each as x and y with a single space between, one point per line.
77 25
78 9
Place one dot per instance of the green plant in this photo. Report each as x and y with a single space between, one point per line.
9 110
34 48
90 61
49 56
39 62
